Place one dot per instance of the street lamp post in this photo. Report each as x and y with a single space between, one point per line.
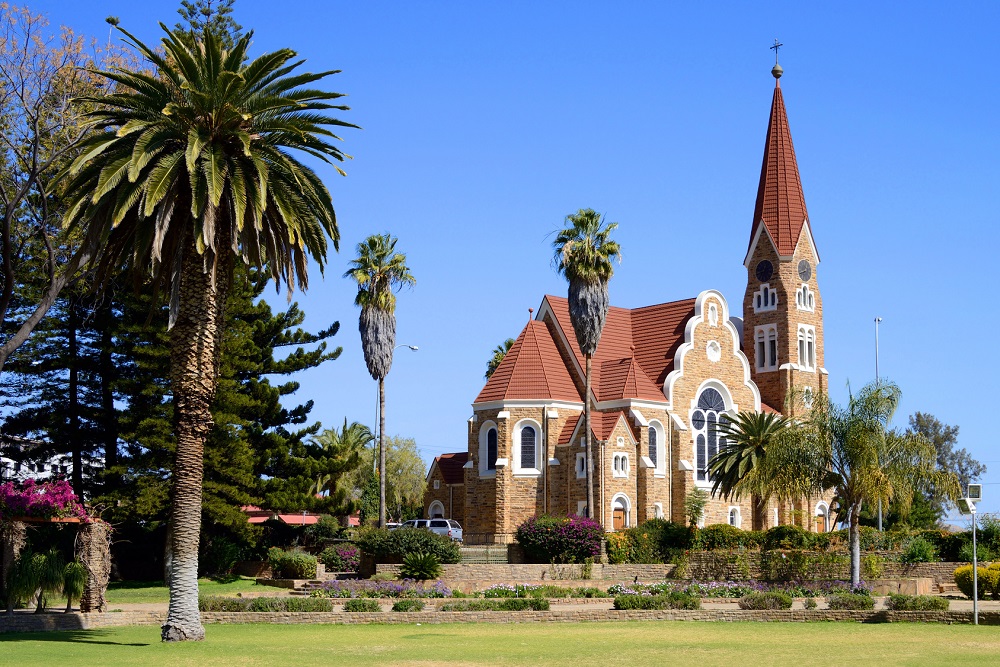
877 320
375 447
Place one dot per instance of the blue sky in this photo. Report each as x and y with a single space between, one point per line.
486 123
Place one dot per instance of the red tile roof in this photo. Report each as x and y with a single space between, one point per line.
603 423
637 347
531 369
781 206
451 466
566 435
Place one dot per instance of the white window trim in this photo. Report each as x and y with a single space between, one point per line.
731 410
807 356
518 470
823 509
620 466
437 484
658 511
484 448
766 297
430 508
765 333
661 448
581 471
805 299
739 516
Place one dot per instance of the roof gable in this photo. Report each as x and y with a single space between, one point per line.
451 466
531 369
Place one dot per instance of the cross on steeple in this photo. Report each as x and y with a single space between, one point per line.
777 45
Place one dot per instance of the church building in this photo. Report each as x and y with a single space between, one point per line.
663 377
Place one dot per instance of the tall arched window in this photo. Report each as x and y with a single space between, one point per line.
652 445
528 447
704 422
491 449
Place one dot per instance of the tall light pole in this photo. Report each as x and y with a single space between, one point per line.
877 320
375 455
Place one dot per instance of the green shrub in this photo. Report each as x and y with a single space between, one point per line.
671 600
786 537
856 601
919 550
498 604
872 566
768 600
408 604
810 603
382 543
327 528
341 558
291 564
74 581
916 603
420 566
983 553
560 539
264 604
948 545
988 578
362 605
726 537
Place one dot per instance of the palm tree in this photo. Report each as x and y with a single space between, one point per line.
852 451
584 254
737 469
499 352
339 452
379 272
191 169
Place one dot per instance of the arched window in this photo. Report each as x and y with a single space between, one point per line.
528 447
807 347
823 518
620 465
704 422
652 445
734 517
436 510
491 449
620 510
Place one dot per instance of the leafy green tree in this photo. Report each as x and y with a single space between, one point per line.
950 458
215 16
851 450
584 253
499 352
405 479
736 469
188 171
379 272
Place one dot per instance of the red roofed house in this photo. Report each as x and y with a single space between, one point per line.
662 377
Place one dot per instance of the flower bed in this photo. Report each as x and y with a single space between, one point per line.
363 588
546 591
48 501
739 589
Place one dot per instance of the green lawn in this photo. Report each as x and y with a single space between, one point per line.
130 592
575 644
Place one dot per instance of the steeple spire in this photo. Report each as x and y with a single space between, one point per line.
781 206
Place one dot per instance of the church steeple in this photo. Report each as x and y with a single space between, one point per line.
781 206
782 308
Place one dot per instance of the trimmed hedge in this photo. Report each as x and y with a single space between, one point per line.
263 604
498 604
560 539
851 601
362 605
408 604
382 543
988 580
769 600
916 603
673 600
291 564
726 537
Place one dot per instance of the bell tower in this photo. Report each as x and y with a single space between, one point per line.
782 308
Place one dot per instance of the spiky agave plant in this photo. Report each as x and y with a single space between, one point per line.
74 581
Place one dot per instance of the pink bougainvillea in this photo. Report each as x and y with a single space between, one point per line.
44 500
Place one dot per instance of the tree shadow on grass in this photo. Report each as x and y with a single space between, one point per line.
69 636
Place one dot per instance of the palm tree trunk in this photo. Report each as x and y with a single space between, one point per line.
381 452
854 534
590 449
194 359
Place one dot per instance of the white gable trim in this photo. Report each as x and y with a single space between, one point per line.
688 345
756 240
430 472
812 241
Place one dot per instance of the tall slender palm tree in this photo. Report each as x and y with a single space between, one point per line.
584 253
191 170
499 352
737 469
379 271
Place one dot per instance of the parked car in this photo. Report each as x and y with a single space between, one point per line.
446 527
392 525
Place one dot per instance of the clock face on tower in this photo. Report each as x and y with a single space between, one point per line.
764 270
805 271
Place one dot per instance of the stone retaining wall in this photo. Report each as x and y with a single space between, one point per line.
491 574
29 622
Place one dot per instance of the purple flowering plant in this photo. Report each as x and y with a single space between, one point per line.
364 588
560 539
44 500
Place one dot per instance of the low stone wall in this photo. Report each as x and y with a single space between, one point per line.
29 622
